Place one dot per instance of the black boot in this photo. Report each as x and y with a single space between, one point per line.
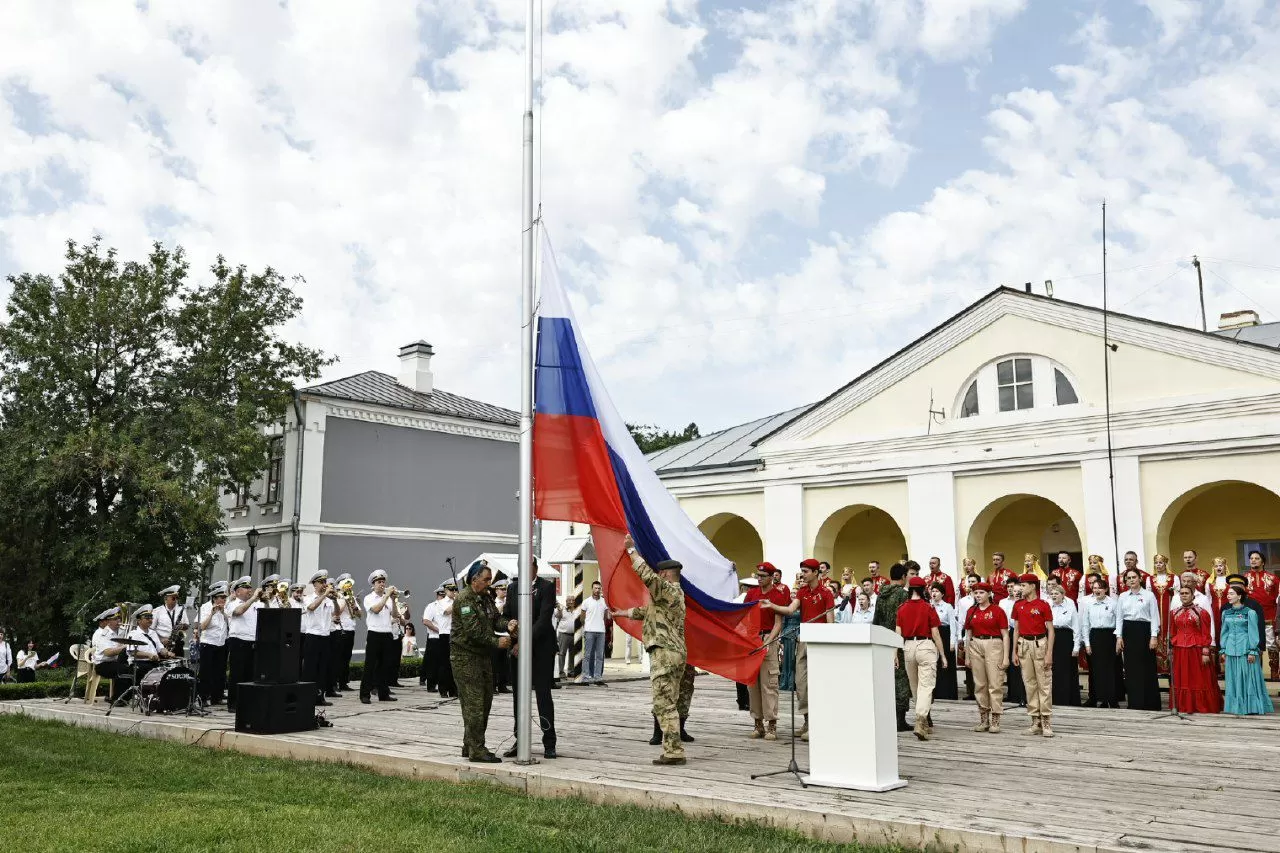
903 725
656 740
685 736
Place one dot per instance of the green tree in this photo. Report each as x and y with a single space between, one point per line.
650 438
130 398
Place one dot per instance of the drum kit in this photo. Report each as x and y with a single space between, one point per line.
168 687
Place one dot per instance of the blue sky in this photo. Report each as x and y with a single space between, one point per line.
753 202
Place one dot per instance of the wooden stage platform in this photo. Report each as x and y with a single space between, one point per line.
1112 780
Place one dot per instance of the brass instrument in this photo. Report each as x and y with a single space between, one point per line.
347 589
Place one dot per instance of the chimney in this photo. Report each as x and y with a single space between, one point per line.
415 366
1238 320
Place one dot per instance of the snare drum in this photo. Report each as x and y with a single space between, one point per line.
167 688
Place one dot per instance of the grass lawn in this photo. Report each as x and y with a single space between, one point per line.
69 789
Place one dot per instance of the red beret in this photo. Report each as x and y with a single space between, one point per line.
810 564
917 582
1030 577
766 567
982 585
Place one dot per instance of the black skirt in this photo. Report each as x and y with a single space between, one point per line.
1102 668
945 686
1140 667
1066 671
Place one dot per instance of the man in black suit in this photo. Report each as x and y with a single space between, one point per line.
540 641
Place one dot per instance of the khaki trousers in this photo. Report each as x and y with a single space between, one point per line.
988 677
1037 679
763 692
922 671
802 677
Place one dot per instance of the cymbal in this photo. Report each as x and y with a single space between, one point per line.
126 641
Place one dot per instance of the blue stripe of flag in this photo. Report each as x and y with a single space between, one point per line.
560 383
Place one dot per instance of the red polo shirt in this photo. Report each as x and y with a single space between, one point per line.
778 596
1031 617
814 602
916 617
986 623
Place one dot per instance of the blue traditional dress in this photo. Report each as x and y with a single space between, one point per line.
1246 689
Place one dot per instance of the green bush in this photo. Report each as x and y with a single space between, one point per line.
46 689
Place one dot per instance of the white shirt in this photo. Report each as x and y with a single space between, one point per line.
962 614
219 625
862 617
947 616
1065 615
28 660
151 645
594 608
103 639
1006 604
445 619
379 623
1137 606
167 620
1099 615
244 626
6 657
346 622
431 613
318 622
409 646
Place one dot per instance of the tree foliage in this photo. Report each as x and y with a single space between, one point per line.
651 439
130 397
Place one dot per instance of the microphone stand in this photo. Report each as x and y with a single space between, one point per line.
1173 696
75 674
792 767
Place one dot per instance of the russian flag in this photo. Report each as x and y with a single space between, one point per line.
588 469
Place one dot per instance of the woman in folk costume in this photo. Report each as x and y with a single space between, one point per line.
1097 565
1246 689
1194 674
1165 586
1031 563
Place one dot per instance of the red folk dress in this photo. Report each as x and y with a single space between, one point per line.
1195 682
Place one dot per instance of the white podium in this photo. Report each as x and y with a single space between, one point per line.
851 690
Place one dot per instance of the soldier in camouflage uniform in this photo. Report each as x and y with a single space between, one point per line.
892 595
663 637
471 647
686 685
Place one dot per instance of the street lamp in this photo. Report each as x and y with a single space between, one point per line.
252 537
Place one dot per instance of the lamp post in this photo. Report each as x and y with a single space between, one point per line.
252 537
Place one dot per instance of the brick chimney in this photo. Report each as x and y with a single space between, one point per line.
1238 320
415 367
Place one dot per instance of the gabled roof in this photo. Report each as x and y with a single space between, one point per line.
727 448
737 445
381 389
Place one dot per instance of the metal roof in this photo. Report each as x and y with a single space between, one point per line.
727 448
1264 334
382 389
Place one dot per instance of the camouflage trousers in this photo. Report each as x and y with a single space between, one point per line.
901 686
668 673
473 675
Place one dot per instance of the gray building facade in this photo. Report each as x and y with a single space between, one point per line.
374 471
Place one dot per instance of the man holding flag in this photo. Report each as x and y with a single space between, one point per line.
663 639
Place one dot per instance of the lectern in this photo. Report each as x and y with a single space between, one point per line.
851 689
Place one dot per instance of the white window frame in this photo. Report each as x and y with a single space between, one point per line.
1043 389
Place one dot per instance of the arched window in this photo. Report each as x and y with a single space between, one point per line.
1016 383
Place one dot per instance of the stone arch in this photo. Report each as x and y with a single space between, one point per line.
1021 524
854 535
1215 519
736 539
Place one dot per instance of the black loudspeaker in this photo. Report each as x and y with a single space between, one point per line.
276 708
277 652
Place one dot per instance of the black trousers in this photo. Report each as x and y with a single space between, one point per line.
427 672
744 697
501 671
544 675
213 672
240 662
1140 667
315 660
396 655
1066 669
945 687
444 669
1102 668
337 651
110 669
25 675
344 658
378 647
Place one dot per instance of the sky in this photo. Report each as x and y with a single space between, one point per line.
752 202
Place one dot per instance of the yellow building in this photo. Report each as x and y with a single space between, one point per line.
989 434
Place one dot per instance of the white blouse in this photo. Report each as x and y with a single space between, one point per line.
1137 606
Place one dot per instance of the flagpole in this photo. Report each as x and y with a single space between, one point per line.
524 661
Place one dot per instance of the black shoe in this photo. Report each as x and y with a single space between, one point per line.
487 758
510 753
388 698
346 688
422 684
324 703
656 740
599 683
396 684
465 752
555 685
685 736
444 695
503 690
332 694
903 725
971 698
550 752
365 699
